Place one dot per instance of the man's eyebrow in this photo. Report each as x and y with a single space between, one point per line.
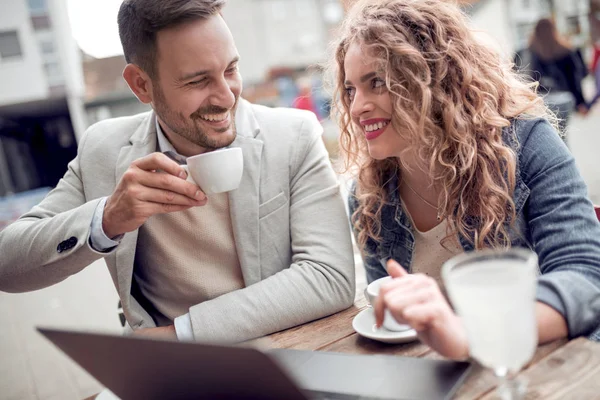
235 60
193 75
363 78
205 72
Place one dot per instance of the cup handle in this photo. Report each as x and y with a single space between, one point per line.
368 298
189 176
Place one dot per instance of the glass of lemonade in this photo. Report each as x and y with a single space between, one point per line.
493 291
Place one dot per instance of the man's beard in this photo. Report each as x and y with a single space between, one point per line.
190 127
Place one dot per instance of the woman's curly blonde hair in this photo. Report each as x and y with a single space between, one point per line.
452 96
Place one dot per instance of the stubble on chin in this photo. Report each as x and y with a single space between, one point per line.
222 139
193 129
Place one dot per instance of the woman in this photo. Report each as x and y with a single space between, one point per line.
453 152
559 69
595 71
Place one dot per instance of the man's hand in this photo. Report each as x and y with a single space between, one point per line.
162 332
417 300
154 184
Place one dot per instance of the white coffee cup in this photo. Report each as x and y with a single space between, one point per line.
371 294
217 171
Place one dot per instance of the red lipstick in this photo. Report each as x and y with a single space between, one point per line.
373 134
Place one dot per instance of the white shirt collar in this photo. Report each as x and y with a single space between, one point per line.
163 142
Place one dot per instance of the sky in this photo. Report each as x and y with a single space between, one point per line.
94 25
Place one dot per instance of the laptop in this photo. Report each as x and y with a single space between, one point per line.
143 368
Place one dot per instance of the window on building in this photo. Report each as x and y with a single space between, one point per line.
37 5
47 46
40 22
52 69
9 45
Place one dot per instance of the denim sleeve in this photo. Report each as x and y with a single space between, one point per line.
373 267
564 229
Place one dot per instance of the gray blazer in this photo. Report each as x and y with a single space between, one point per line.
289 224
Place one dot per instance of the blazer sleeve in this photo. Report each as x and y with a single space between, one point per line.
48 244
564 230
321 278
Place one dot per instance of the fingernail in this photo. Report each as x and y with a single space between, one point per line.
182 175
199 195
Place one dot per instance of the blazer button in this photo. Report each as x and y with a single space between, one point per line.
72 241
67 244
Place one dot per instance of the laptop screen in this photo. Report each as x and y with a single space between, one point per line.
144 368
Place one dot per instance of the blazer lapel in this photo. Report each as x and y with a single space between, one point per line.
243 208
142 143
244 201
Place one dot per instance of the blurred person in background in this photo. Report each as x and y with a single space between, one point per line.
559 69
287 90
305 100
320 96
272 254
595 71
454 152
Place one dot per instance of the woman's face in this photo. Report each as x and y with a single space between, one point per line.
370 103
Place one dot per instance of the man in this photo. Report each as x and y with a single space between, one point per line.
272 254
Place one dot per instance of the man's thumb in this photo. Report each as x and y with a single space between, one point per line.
394 269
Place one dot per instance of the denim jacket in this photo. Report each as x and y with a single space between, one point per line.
555 219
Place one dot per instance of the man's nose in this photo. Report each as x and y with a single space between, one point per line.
225 94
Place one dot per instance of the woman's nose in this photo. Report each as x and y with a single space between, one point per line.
360 105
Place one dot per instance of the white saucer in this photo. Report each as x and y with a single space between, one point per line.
364 325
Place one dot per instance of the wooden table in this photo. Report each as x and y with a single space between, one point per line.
559 370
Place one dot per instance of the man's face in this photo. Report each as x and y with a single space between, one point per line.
198 84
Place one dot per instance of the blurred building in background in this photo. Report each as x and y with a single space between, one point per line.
106 92
50 92
277 34
41 110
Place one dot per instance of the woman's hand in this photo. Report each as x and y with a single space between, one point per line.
417 300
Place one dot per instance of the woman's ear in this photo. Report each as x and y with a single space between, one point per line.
139 82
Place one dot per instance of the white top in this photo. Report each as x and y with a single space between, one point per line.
429 253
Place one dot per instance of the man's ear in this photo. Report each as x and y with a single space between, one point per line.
139 82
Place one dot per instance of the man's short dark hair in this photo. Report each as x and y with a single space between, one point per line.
140 20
